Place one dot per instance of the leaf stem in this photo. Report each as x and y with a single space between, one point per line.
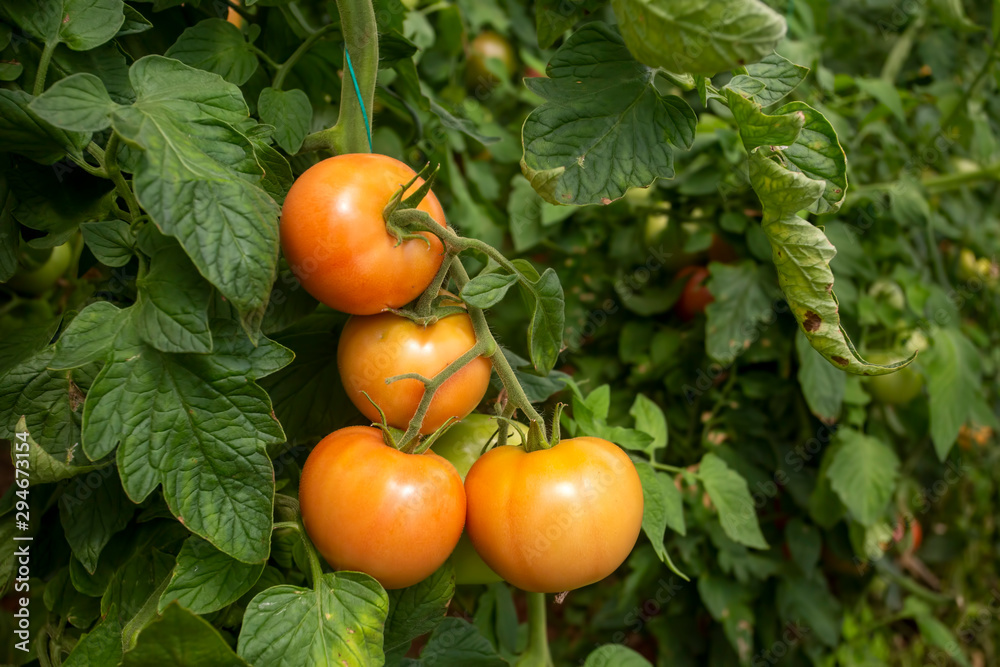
286 67
115 173
537 653
263 55
43 66
667 468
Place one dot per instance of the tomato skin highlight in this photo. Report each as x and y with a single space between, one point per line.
555 519
333 235
695 297
377 347
371 508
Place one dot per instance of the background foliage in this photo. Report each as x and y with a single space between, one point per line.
781 498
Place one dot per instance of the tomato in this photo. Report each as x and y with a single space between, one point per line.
973 435
42 276
334 237
554 519
377 347
695 296
898 388
461 446
487 46
369 507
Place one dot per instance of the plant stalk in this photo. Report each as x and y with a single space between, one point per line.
115 173
537 653
286 67
43 67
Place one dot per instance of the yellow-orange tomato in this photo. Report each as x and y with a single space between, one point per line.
554 519
380 346
333 235
369 507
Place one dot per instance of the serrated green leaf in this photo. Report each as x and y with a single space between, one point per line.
80 24
616 655
649 419
110 241
555 17
457 642
89 336
291 114
338 625
79 103
133 583
954 373
23 132
596 89
418 609
662 508
863 473
206 580
101 646
92 509
730 494
746 86
760 129
196 176
741 308
216 46
779 76
181 639
817 153
487 289
208 412
699 36
802 255
822 385
171 309
548 321
43 468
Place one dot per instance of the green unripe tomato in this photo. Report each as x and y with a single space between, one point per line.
461 445
897 388
889 292
487 46
40 278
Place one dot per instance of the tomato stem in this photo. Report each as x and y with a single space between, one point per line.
43 66
286 67
427 298
537 653
115 173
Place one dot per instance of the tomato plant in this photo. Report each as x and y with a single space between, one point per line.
41 274
459 206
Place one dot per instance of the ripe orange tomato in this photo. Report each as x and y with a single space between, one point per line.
334 238
695 296
554 519
377 347
369 507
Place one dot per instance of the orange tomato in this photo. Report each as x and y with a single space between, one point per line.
377 347
369 507
695 296
554 519
334 238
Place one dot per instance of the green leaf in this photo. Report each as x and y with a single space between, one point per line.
101 646
92 509
291 114
81 24
548 320
65 601
696 36
531 217
936 633
804 544
741 309
133 583
747 86
817 153
616 655
110 241
731 497
729 603
43 468
649 418
89 336
863 473
23 132
662 508
555 17
172 409
884 92
418 609
536 387
216 46
134 22
802 255
759 129
206 580
457 642
181 639
79 103
171 309
822 385
779 76
808 604
487 289
338 625
952 14
196 176
597 90
954 370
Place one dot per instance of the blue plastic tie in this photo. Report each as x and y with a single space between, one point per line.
361 101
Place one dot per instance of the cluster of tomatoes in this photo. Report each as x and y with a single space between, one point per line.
548 520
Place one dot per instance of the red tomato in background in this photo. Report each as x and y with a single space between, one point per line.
695 295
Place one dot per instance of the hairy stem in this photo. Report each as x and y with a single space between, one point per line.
115 173
537 653
43 67
286 67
